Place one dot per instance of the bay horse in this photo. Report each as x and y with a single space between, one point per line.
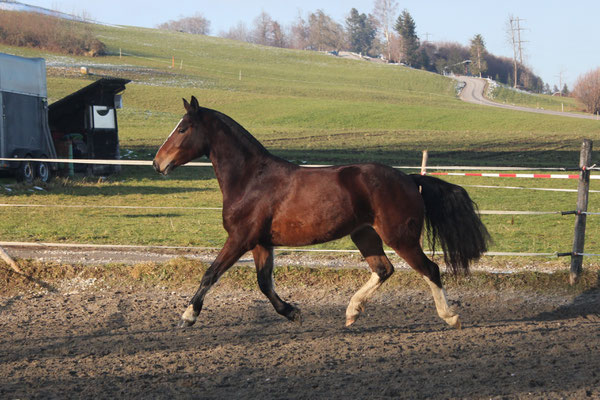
270 202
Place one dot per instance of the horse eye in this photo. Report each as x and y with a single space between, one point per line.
182 130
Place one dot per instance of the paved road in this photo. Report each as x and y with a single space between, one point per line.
475 87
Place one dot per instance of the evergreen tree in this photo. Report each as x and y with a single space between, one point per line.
406 28
478 52
361 32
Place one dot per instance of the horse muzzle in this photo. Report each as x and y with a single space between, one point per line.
165 170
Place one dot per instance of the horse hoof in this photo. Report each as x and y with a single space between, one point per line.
454 322
186 324
295 316
350 321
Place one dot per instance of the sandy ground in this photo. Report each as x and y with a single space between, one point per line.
90 341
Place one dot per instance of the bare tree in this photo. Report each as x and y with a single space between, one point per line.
384 13
262 26
587 90
239 32
299 34
268 32
277 36
324 33
395 47
196 24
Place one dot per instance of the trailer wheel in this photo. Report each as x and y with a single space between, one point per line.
43 172
25 172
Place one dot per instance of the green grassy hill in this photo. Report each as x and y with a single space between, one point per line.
300 101
303 106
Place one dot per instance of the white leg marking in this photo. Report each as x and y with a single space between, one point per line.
357 301
190 315
441 304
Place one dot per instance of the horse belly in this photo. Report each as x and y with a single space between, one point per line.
313 222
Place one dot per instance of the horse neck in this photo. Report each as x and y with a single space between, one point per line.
235 156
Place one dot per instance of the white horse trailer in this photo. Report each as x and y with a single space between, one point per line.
24 131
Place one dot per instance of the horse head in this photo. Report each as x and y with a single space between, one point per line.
186 142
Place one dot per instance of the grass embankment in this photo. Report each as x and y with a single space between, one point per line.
183 273
304 106
506 95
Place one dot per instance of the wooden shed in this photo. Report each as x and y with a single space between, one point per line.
84 124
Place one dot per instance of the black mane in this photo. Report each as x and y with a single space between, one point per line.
239 131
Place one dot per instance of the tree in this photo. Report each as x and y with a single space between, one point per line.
587 90
299 34
406 28
383 16
267 31
361 32
546 89
478 52
239 32
260 33
324 33
196 24
277 36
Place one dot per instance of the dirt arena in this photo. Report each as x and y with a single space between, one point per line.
85 341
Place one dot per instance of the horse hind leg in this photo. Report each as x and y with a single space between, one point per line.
371 247
430 271
263 259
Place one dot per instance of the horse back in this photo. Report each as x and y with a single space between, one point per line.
323 204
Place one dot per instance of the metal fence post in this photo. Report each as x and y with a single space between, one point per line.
585 160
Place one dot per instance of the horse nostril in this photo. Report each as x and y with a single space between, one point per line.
155 165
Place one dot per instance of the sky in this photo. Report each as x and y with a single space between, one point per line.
561 39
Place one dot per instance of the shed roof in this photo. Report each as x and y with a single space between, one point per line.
100 92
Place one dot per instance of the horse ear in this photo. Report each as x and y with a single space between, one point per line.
186 105
195 104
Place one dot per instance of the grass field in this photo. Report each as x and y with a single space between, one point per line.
506 95
305 107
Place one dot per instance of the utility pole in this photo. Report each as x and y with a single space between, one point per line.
560 81
517 43
427 34
520 41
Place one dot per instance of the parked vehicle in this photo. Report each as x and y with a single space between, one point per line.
24 131
81 125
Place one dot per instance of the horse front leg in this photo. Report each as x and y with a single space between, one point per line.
229 254
263 259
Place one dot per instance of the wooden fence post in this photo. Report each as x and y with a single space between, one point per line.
423 172
424 162
583 188
7 259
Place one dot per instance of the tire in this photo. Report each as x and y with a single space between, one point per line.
43 172
25 172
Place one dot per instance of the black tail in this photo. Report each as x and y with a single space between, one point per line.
452 220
